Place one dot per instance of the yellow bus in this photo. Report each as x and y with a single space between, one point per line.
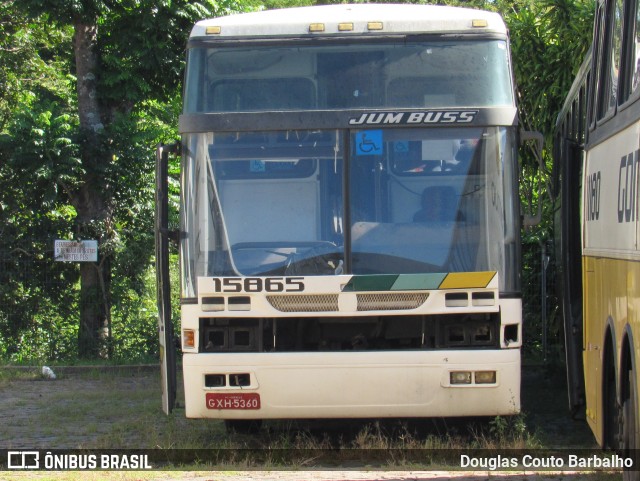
597 141
349 239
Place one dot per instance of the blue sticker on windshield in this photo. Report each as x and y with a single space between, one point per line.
369 142
257 166
401 147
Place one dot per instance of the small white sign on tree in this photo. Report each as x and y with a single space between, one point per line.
76 251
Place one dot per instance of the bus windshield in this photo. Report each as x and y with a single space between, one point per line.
412 74
399 200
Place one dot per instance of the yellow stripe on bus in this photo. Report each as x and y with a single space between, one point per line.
467 280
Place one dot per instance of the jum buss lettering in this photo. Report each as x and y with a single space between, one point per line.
407 118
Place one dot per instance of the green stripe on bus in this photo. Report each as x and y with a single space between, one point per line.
394 282
414 282
374 282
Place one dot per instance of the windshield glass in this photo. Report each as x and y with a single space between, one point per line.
403 200
436 73
430 200
267 203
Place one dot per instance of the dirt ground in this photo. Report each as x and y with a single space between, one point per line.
81 408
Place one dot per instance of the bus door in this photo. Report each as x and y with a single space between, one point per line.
162 234
571 269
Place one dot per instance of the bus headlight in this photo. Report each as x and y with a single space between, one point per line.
485 377
460 377
457 378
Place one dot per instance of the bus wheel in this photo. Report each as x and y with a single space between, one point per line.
243 426
629 433
611 409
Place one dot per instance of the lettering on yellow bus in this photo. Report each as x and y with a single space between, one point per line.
593 196
627 187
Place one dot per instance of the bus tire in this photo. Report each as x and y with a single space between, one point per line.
629 435
611 409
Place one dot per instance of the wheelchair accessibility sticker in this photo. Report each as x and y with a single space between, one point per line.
369 142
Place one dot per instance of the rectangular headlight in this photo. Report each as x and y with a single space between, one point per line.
460 377
485 377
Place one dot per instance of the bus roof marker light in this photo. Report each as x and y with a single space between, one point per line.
375 26
345 27
213 30
479 23
316 27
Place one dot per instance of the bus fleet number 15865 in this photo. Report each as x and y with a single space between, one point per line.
258 284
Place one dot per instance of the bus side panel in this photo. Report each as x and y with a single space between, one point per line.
611 262
591 345
610 196
612 299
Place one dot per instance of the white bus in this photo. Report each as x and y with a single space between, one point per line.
350 225
597 150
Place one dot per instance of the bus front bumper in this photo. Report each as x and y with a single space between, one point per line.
354 384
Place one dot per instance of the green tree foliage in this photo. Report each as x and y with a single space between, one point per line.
78 143
37 127
32 291
30 59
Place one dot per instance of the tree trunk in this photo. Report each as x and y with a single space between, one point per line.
93 213
91 335
84 45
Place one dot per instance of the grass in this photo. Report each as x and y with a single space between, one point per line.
102 409
7 375
97 408
114 361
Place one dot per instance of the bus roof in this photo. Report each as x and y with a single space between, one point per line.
347 19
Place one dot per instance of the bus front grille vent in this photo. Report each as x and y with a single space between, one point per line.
391 301
305 303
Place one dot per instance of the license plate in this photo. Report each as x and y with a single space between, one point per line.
233 400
